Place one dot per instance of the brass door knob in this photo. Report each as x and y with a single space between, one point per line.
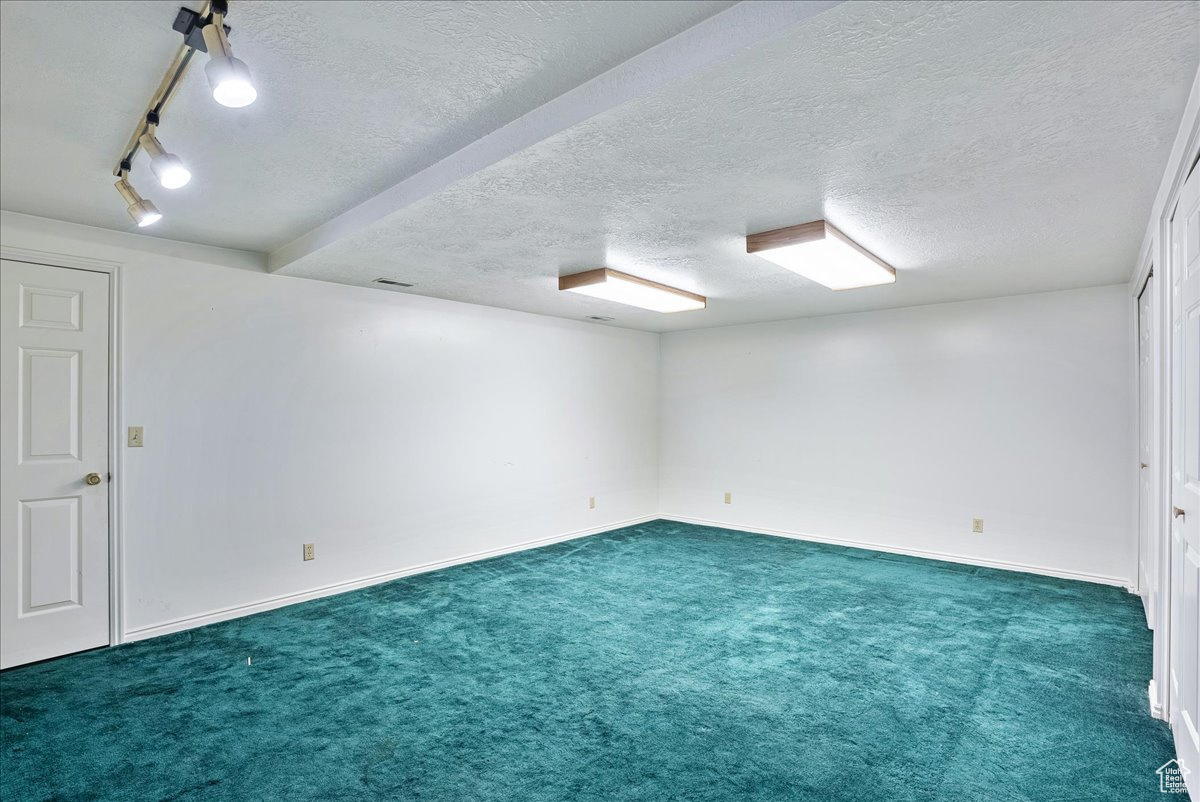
1144 465
1179 513
92 479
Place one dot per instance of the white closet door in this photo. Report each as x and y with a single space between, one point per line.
1185 481
54 352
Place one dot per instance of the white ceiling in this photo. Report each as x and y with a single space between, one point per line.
353 96
983 149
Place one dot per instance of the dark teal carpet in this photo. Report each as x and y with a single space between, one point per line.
659 662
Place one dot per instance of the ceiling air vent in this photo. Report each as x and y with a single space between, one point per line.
390 283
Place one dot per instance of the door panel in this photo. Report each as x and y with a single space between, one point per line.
49 404
54 573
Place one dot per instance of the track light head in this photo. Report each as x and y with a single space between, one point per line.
143 212
167 167
228 77
230 81
170 171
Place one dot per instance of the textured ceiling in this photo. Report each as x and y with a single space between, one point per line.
984 149
353 97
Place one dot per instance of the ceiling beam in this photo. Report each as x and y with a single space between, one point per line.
704 44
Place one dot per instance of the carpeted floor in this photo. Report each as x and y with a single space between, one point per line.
660 662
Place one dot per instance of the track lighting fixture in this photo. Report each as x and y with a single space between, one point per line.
142 211
203 31
167 167
228 77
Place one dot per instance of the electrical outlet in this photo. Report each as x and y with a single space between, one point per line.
591 502
310 551
135 437
729 498
977 526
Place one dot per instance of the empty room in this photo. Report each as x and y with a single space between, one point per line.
596 400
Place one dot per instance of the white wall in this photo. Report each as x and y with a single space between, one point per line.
896 428
390 430
396 431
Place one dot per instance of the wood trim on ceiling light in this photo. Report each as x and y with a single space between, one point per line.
602 275
816 231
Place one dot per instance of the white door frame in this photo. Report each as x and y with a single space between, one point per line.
116 619
1154 435
1160 463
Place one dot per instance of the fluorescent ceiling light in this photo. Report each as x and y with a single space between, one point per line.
820 252
622 288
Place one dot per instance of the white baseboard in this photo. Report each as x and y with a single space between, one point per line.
931 555
237 611
1144 596
1156 707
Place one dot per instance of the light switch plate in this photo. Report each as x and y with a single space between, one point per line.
136 439
729 498
591 502
977 526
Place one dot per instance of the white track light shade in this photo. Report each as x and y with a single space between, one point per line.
228 77
170 171
143 212
230 81
167 167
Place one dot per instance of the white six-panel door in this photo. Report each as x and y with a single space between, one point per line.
1184 670
54 548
